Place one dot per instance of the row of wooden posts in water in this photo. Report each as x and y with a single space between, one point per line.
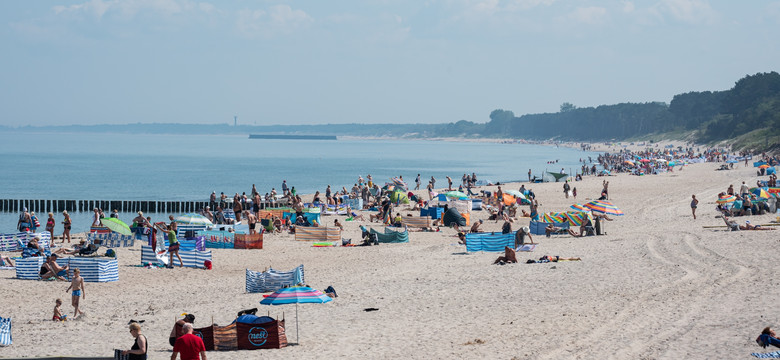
45 206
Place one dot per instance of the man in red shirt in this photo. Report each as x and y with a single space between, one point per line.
190 346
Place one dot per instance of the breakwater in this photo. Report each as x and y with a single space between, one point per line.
146 206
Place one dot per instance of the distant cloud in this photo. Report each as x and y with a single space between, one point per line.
690 11
275 20
628 7
588 15
129 8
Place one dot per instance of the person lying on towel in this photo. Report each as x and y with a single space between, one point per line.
548 258
768 337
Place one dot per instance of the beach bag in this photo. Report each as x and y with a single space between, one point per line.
5 332
36 222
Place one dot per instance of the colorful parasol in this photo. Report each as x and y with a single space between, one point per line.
579 207
763 166
604 207
726 199
296 295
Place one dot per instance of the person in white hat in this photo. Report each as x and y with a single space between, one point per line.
520 236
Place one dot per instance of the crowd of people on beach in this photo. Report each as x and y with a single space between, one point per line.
246 208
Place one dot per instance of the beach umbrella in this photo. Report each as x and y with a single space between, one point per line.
726 199
763 166
193 219
629 162
645 160
515 193
398 182
116 225
760 192
455 194
773 190
672 163
296 295
604 207
579 207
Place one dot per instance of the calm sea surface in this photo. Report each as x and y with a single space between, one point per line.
84 166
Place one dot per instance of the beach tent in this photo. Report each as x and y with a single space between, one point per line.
399 197
272 280
452 216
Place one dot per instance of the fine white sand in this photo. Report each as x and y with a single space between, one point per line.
658 285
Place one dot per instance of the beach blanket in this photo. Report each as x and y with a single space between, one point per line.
191 258
317 234
273 280
771 355
5 332
490 242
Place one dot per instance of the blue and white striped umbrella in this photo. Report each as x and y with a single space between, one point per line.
193 219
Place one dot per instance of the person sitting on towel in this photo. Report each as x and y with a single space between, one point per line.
768 337
508 258
50 269
475 227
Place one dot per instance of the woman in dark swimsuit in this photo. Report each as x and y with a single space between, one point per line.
138 351
66 224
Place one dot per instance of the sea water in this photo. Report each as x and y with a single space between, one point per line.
102 166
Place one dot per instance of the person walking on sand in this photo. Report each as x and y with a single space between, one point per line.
694 204
417 182
566 189
190 346
77 285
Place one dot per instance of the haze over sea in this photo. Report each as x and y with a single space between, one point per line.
88 166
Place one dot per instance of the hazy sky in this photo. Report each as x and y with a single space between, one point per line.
390 61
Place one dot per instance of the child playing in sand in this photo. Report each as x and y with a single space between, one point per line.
58 315
78 290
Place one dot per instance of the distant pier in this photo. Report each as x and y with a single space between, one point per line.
125 206
293 137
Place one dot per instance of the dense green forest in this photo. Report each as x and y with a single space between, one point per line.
747 115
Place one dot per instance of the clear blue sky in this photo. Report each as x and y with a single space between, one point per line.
368 61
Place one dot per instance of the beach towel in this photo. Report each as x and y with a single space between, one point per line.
5 332
527 247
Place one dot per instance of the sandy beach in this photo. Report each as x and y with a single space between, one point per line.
658 286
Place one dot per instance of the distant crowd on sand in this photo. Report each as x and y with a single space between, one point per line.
499 204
